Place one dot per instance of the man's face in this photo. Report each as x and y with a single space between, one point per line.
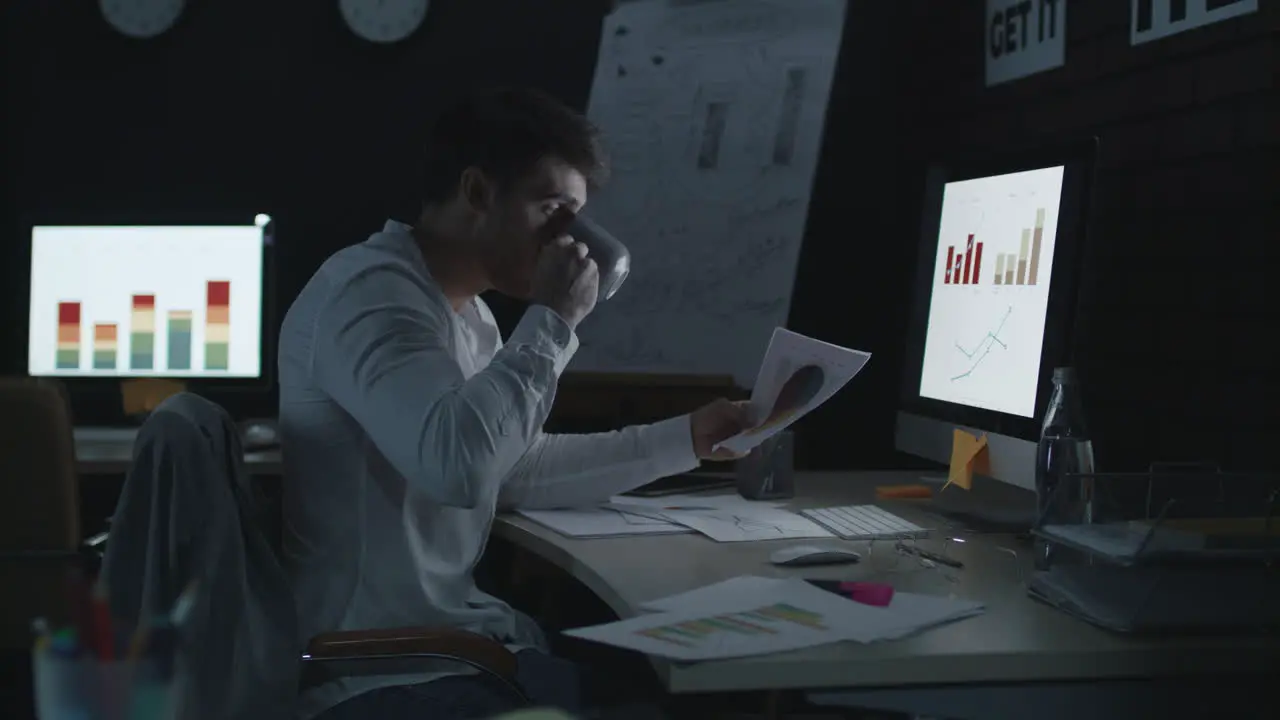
519 223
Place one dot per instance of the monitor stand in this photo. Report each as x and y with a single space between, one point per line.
139 396
990 506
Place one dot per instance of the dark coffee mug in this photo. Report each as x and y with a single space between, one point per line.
611 256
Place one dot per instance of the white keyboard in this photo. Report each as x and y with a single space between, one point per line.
99 435
864 522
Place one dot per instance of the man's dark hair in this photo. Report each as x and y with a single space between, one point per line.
506 132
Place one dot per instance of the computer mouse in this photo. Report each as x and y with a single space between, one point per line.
261 434
813 555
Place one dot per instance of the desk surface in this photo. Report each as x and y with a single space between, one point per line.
109 456
1016 640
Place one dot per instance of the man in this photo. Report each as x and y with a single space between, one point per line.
406 421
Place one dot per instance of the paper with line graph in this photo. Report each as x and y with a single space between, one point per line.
789 616
740 522
601 523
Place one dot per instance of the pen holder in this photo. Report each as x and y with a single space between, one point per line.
84 688
767 472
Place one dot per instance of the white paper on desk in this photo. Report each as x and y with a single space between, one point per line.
716 597
797 375
601 523
698 503
907 614
738 522
789 616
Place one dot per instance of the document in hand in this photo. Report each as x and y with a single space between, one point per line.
797 375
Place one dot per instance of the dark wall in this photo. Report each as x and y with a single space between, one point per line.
275 107
248 107
1177 338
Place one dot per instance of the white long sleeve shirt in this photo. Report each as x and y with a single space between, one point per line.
404 425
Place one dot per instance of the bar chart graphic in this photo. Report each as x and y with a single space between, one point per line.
106 343
146 301
180 339
996 238
760 621
67 350
142 333
965 267
1023 267
217 331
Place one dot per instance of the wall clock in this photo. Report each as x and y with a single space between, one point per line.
141 18
383 21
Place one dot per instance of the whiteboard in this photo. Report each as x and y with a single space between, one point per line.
713 115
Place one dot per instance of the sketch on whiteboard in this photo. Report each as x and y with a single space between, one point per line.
713 115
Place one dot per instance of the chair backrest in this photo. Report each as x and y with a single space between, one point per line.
187 514
39 506
39 495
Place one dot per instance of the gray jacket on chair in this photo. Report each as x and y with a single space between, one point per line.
187 514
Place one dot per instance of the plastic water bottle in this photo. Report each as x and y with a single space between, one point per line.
1064 462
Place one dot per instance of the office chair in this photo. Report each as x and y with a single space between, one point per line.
39 507
188 512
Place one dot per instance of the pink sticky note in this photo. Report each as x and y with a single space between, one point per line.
877 594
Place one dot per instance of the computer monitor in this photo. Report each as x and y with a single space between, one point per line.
112 302
994 302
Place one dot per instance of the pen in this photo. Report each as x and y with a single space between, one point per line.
931 556
40 627
79 605
183 605
159 639
63 643
103 637
138 643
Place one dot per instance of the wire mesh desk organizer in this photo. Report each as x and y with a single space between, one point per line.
1174 549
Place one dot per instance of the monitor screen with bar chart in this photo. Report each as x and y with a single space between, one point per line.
147 301
990 292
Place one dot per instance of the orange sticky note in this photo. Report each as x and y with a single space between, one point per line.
904 492
969 455
142 395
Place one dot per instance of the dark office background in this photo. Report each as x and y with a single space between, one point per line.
251 106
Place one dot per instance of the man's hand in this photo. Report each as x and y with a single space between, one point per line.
716 422
566 280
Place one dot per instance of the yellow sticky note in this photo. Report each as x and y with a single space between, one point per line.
969 455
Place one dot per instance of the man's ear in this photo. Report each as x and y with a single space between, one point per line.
476 190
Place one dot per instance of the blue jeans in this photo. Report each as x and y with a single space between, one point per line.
547 681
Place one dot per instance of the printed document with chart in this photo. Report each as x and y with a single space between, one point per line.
749 615
798 374
787 616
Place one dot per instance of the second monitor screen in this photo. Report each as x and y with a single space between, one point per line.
146 301
990 290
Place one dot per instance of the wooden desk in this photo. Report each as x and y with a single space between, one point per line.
1016 641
